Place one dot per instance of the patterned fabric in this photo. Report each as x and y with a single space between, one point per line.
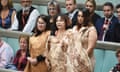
68 54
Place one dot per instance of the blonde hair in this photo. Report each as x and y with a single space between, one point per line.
93 2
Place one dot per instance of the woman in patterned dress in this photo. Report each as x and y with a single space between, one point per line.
56 57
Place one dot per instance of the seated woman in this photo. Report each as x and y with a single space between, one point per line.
7 14
20 59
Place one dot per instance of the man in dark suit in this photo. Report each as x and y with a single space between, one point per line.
117 27
72 11
106 25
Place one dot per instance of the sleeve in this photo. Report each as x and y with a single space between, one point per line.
15 24
6 57
31 21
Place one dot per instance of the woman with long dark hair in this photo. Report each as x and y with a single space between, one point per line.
37 45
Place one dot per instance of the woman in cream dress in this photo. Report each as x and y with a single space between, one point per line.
84 37
56 57
79 44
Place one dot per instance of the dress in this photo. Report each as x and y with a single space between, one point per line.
7 20
68 54
56 55
37 47
76 54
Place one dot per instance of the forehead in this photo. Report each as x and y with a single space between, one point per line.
107 7
51 5
89 3
69 1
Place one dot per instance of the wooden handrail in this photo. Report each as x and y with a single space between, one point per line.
100 44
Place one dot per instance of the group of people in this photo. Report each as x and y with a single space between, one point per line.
60 42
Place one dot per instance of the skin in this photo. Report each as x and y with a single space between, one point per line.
60 23
90 6
108 11
70 6
23 44
118 58
26 3
52 10
80 17
5 11
118 13
41 25
92 36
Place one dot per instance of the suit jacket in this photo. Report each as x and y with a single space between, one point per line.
110 34
117 32
74 19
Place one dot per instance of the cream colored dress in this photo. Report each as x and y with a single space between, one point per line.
68 54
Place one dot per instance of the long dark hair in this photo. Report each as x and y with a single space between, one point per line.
38 32
86 15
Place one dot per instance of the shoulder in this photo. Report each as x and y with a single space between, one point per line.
91 28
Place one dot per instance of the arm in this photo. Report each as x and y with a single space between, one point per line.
6 57
31 21
14 25
92 38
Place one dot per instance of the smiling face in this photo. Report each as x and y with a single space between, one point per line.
23 43
41 24
60 23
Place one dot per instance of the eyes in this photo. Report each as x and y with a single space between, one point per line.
52 9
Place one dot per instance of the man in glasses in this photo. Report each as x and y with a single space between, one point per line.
26 16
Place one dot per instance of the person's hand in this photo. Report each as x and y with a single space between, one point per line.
33 61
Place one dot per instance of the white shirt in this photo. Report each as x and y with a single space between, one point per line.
6 55
71 15
105 31
29 26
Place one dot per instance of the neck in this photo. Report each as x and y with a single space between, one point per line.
61 30
23 50
5 8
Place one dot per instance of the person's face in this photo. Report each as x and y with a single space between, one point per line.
118 13
25 3
60 23
70 6
90 6
41 24
4 3
108 11
23 43
52 10
118 58
80 17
